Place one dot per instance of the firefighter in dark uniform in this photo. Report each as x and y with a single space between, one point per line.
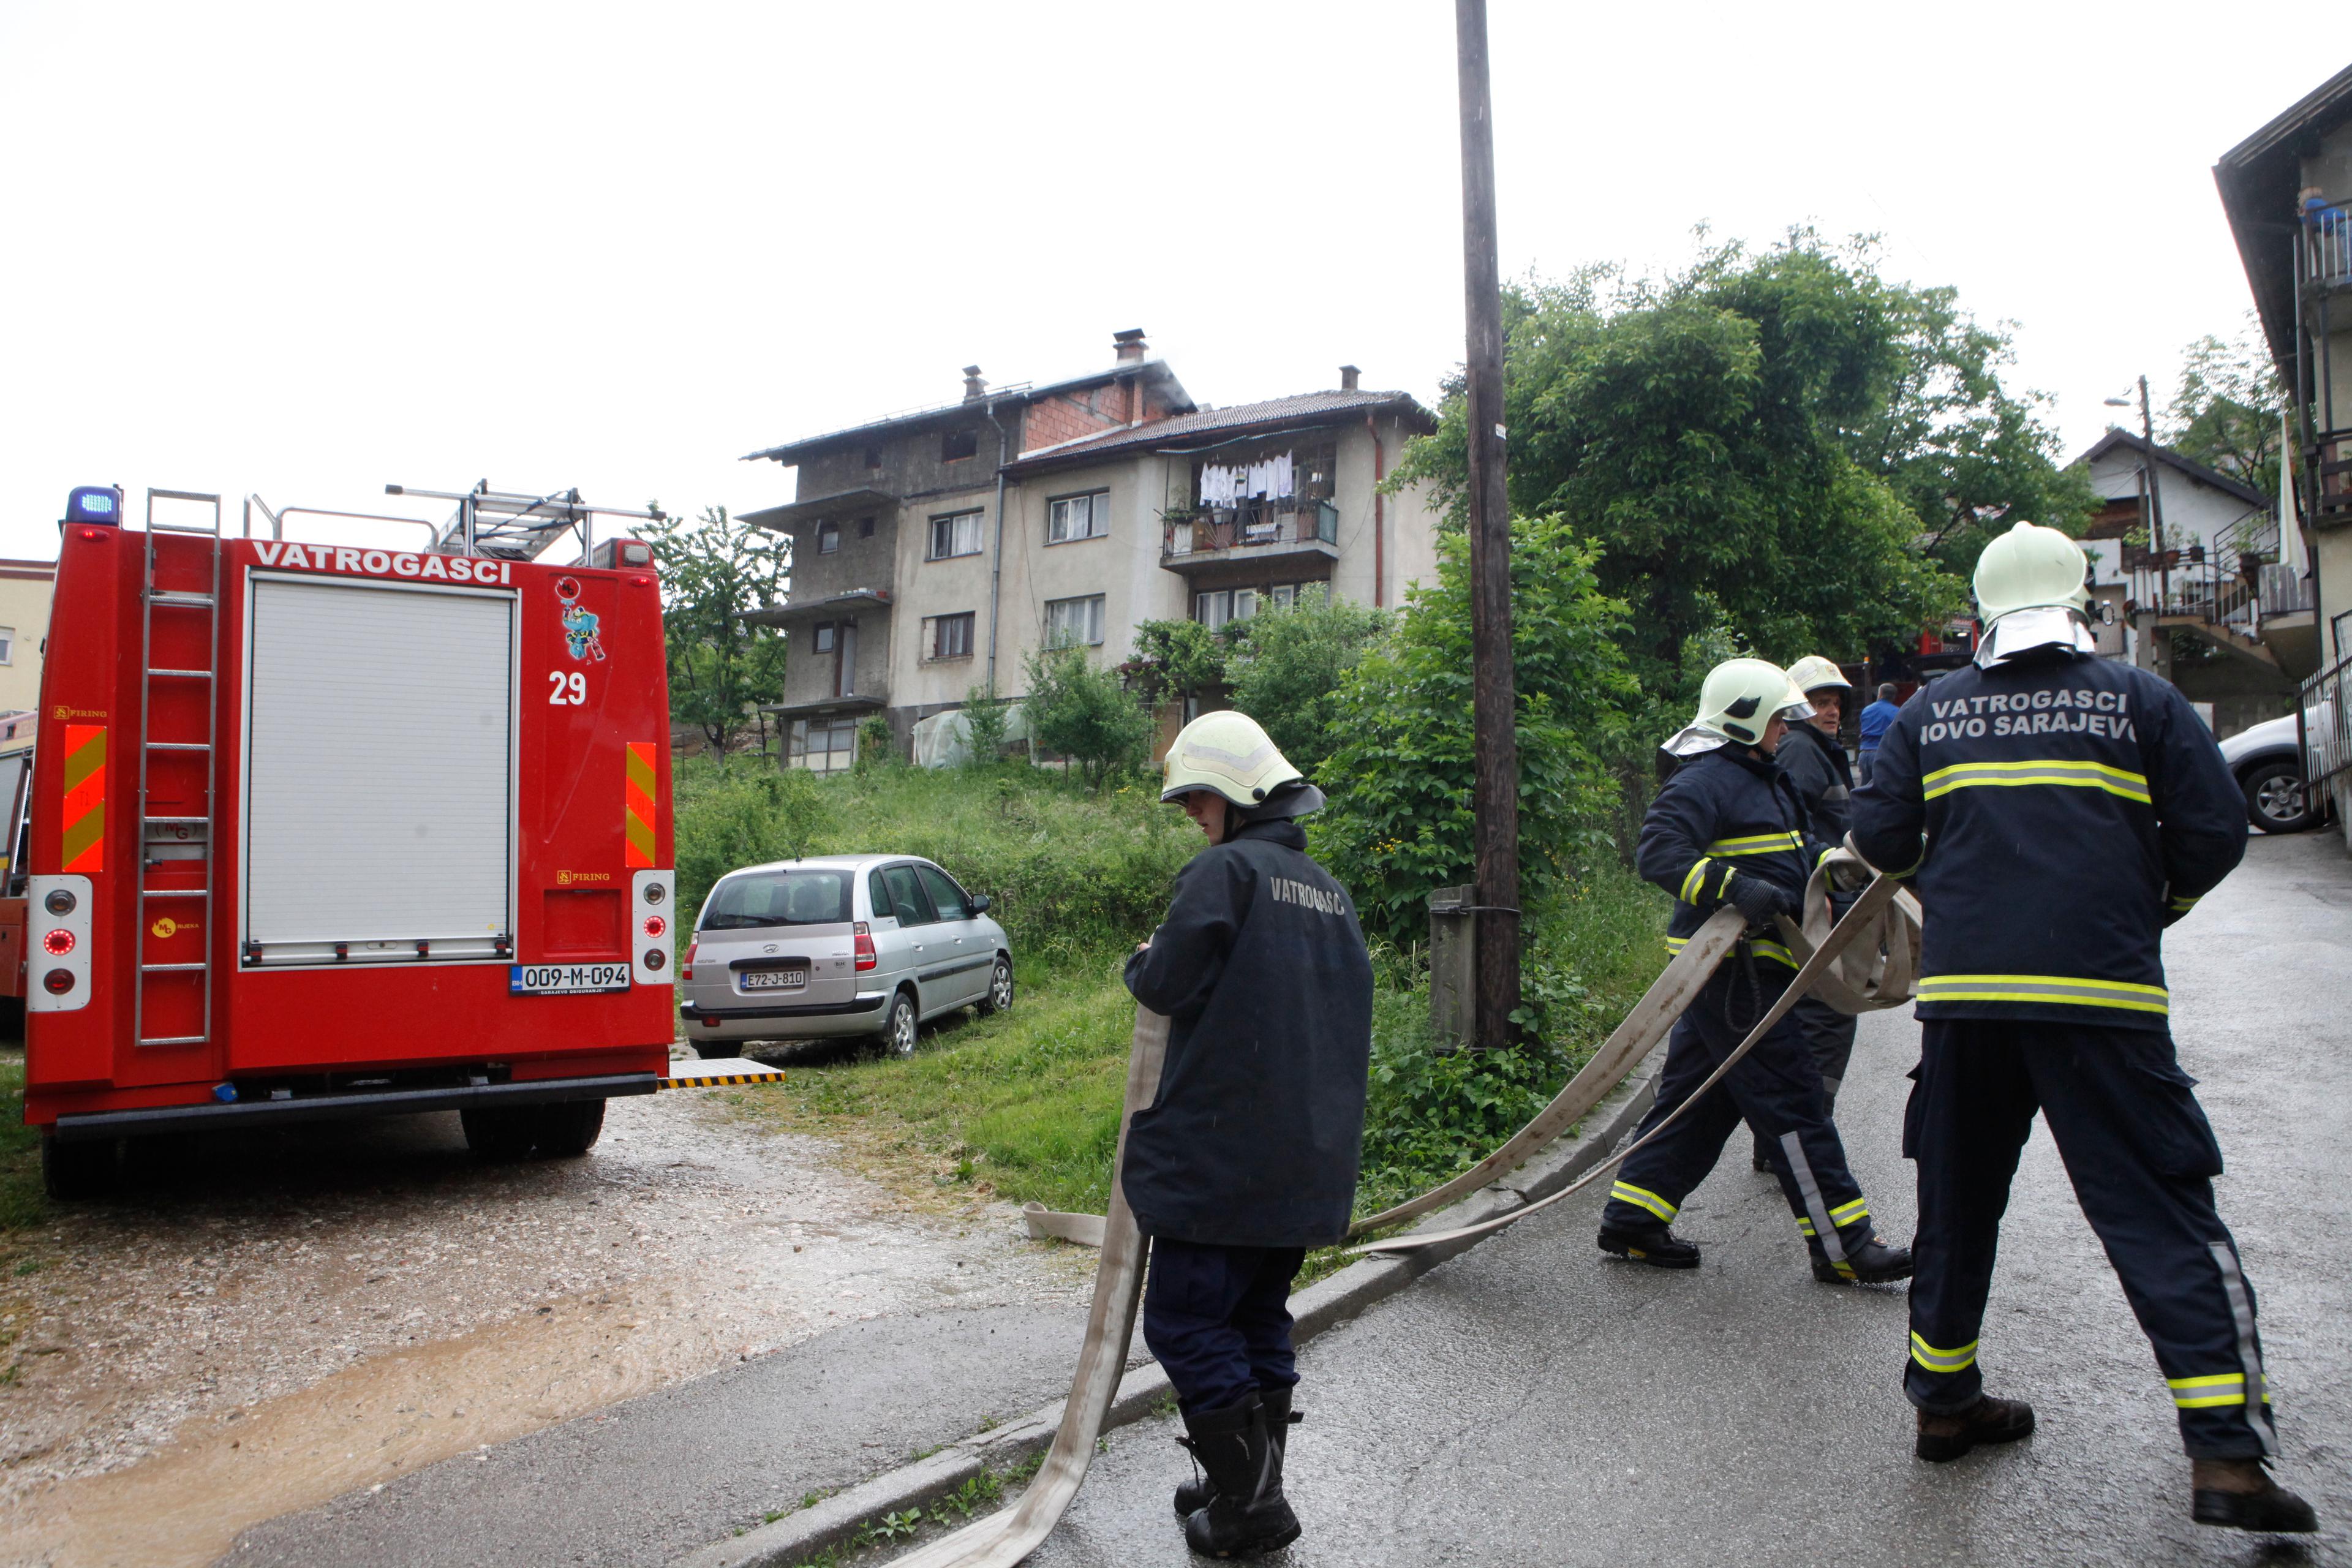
1247 1155
1727 828
2056 811
1814 762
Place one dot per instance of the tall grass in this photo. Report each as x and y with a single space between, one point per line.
1027 1105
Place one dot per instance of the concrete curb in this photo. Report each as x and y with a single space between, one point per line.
802 1535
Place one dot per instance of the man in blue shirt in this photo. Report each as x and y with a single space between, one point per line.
1875 721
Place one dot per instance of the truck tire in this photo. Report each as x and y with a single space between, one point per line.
72 1172
500 1132
2276 801
569 1128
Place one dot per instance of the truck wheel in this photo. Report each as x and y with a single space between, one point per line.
899 1026
2276 801
570 1127
500 1132
72 1171
999 996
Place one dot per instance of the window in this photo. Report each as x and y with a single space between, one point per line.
822 745
780 898
948 637
1213 609
1070 622
1289 596
957 444
957 533
823 635
828 537
1077 517
902 896
865 528
946 896
7 645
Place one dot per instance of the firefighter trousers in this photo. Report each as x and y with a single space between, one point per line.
1829 1037
2142 1157
1776 1087
1217 1319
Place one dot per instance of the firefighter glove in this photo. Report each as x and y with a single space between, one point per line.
1759 900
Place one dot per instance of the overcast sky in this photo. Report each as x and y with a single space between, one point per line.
306 249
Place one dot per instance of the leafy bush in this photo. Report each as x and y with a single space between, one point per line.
1291 665
1176 659
730 816
985 720
1399 822
1086 714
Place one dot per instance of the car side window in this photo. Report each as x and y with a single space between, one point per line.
907 899
946 896
878 895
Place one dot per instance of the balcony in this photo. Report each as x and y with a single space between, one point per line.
2327 246
1253 531
2331 465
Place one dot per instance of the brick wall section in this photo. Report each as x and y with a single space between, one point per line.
1067 417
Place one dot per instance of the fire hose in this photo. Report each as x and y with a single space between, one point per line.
1867 960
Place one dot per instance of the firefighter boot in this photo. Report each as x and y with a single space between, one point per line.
1196 1494
1247 1515
1988 1420
1867 1262
1653 1245
2238 1493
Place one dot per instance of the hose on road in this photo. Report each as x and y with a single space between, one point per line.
1867 960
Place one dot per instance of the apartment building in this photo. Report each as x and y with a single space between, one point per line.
935 551
24 590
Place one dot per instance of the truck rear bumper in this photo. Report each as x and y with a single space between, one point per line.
90 1125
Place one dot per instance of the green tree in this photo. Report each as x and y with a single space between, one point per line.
712 570
1086 714
1290 666
1399 822
1175 660
2226 415
985 719
1778 442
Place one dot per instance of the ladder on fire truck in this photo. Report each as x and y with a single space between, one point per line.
198 829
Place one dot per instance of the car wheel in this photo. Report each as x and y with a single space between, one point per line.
499 1132
716 1050
569 1126
70 1172
999 996
2276 801
899 1026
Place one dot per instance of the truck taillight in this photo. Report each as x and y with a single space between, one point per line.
686 970
655 925
57 981
864 947
58 942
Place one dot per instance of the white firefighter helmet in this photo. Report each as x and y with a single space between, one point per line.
1741 696
2032 592
1230 755
2030 568
1813 673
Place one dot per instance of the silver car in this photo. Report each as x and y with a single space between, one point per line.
835 946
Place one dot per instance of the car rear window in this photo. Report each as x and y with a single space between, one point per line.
780 898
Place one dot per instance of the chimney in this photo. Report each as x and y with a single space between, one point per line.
1129 345
1348 377
974 384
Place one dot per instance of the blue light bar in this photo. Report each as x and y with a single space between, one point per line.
95 504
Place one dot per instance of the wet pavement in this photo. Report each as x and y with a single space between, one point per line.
1530 1403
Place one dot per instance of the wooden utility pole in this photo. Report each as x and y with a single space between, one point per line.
1493 706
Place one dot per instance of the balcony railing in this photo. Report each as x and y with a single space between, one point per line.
2331 460
1252 524
2328 246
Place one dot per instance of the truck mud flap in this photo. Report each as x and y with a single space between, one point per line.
76 1129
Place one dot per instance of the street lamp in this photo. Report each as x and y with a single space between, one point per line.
2147 477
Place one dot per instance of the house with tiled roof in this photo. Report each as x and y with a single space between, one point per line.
934 550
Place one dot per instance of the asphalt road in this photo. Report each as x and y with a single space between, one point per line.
1532 1403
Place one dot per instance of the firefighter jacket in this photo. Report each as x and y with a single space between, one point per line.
1253 1135
1824 779
2055 812
1725 814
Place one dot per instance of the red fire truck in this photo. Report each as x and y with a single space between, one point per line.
321 831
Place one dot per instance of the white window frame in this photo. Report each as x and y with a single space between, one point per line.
828 537
823 638
1060 512
7 645
836 757
963 535
1087 613
1225 605
932 626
